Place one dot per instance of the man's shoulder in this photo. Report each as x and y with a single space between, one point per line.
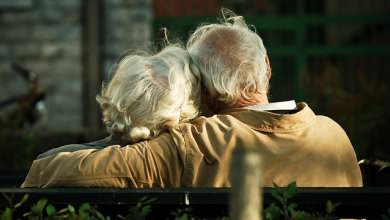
217 118
203 127
212 131
328 123
218 121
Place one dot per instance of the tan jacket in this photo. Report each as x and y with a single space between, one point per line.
312 150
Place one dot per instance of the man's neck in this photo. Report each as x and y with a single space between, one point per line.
254 99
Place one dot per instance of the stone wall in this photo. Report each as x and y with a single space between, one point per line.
46 36
127 28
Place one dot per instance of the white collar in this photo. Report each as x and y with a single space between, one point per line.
286 105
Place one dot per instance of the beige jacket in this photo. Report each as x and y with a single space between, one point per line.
312 150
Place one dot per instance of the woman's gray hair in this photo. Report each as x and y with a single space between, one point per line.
150 93
231 58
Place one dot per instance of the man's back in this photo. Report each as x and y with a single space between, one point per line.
312 150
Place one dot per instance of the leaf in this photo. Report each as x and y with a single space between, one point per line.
50 210
83 207
184 217
268 216
146 210
7 214
277 195
62 210
34 209
291 206
385 217
134 209
331 207
173 213
99 215
273 210
30 217
302 215
278 189
71 208
135 216
188 209
335 205
293 213
291 189
40 205
121 217
25 197
149 201
28 213
82 215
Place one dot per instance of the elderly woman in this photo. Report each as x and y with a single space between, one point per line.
147 95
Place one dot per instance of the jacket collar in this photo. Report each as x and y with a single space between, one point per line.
271 122
286 105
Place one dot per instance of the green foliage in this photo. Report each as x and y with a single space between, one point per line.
386 217
42 211
360 107
276 195
85 211
50 210
272 212
37 212
331 207
288 211
8 212
71 208
184 214
291 190
140 210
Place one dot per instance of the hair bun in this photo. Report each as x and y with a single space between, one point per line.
139 133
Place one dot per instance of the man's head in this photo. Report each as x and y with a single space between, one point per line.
232 60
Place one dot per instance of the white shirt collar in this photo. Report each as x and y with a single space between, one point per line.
286 105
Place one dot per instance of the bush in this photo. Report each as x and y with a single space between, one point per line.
363 113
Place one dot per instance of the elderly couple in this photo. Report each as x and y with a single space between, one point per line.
151 99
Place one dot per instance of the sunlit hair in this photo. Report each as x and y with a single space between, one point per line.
231 58
150 93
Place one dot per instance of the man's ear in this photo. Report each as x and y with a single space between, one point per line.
268 67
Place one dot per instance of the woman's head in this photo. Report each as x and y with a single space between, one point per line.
149 93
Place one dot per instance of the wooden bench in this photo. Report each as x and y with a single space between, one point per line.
367 202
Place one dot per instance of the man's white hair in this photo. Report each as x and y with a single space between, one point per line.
149 93
231 58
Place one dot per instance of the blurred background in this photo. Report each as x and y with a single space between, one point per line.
54 55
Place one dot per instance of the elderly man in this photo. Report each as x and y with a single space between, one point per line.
296 144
